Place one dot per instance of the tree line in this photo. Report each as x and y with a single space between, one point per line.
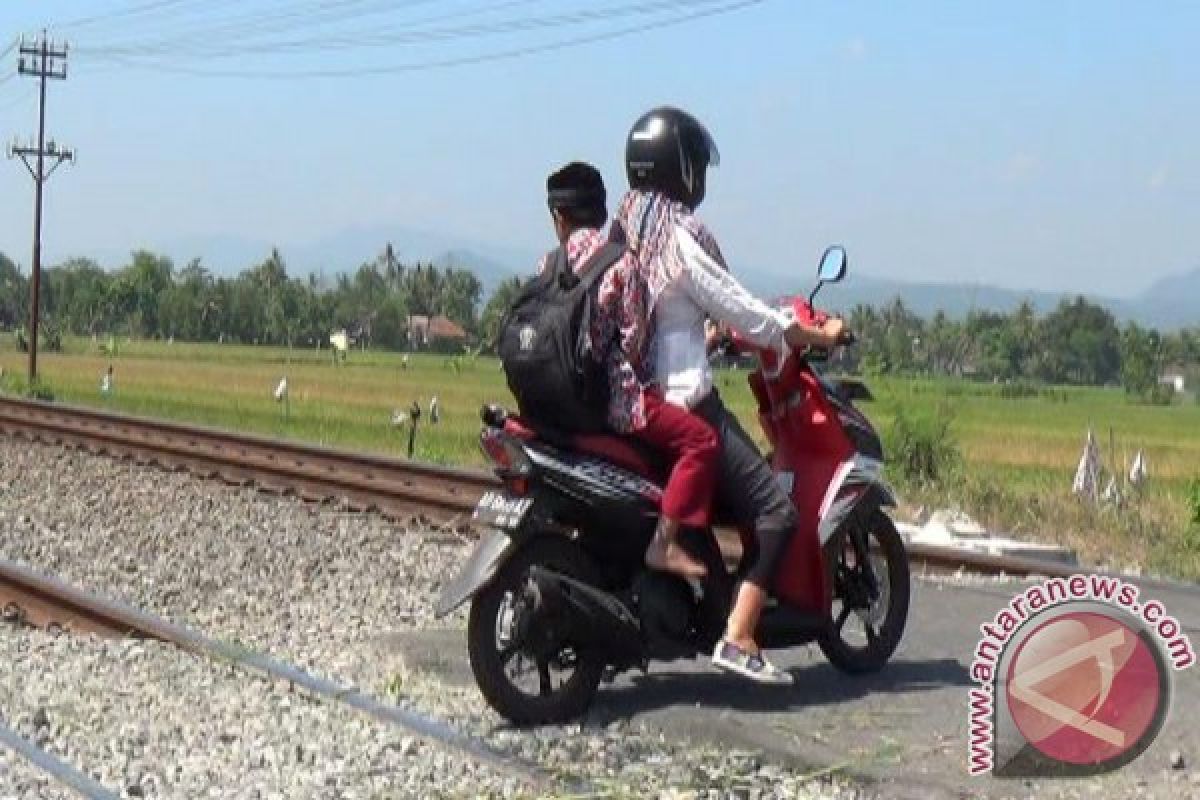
150 298
1077 343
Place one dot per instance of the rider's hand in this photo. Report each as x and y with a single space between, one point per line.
713 333
800 336
832 329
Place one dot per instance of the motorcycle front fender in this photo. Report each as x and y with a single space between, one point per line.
487 557
858 485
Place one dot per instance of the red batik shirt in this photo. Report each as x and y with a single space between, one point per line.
620 325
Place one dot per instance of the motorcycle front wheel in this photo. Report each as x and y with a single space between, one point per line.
528 672
869 570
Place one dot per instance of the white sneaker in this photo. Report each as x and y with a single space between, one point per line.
729 657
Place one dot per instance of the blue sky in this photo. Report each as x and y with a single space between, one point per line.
1025 144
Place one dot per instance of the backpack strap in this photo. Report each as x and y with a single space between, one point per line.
597 266
592 270
601 262
558 267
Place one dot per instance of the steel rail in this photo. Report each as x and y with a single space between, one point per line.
951 559
395 487
60 770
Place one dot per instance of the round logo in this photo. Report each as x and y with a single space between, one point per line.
1088 688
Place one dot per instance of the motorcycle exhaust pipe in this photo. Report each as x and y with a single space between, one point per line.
595 618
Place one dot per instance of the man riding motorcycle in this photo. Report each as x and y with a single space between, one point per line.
575 195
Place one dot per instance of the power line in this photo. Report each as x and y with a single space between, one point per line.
318 14
80 22
503 55
258 29
407 36
261 26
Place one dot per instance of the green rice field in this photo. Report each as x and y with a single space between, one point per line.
1018 452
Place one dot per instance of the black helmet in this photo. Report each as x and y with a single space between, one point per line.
668 150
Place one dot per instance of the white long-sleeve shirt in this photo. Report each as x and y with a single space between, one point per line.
704 289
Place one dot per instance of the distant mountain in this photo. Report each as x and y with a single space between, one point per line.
491 271
956 299
1170 303
1174 301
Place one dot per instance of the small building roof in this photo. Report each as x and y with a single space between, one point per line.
436 327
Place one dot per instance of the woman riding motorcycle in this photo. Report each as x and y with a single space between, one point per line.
686 282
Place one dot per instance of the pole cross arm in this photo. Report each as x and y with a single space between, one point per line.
61 156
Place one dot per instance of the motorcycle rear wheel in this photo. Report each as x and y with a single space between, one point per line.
495 612
881 622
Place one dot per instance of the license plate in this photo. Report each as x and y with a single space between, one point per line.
501 511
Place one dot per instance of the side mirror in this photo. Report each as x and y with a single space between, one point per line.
833 265
831 269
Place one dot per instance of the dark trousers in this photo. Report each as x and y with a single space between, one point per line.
747 493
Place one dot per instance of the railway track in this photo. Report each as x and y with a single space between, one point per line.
394 487
397 488
59 604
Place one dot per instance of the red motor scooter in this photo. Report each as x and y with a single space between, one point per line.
558 589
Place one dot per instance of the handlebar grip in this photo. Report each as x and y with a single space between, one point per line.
847 337
722 346
813 353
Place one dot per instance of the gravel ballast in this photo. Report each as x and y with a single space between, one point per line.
310 585
148 720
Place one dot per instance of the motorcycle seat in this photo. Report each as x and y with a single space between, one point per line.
623 451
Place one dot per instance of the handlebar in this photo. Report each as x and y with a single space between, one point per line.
800 311
845 339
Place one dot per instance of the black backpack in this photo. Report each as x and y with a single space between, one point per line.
545 346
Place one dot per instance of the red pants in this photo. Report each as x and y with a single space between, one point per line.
691 445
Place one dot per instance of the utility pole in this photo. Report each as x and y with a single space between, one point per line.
43 61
